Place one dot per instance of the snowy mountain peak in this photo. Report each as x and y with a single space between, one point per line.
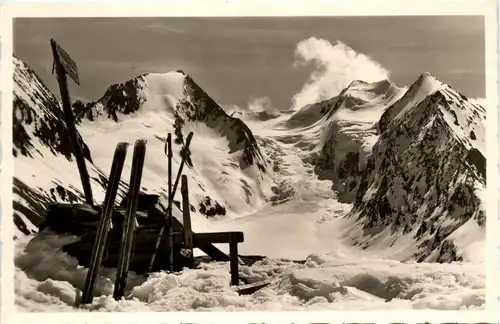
424 86
178 98
427 167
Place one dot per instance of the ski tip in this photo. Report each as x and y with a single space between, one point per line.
140 147
122 145
188 139
141 142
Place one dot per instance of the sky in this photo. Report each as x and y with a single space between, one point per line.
241 61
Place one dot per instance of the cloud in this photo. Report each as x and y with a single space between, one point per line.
335 67
261 104
256 104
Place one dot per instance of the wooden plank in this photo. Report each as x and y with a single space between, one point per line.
233 255
213 252
186 216
70 125
67 63
217 237
207 247
251 288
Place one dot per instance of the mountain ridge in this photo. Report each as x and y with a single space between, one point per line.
425 164
368 141
117 108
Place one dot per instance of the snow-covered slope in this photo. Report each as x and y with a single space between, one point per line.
227 172
425 177
41 147
338 134
413 179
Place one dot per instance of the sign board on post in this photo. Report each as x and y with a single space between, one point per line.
63 65
68 64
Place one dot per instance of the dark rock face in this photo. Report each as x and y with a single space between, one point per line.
422 174
202 108
211 208
342 166
399 105
37 116
121 98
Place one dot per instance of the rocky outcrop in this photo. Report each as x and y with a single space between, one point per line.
38 118
198 106
425 172
195 105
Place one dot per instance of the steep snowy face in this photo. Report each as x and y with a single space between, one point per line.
227 172
37 117
425 85
41 147
342 132
426 173
183 100
228 169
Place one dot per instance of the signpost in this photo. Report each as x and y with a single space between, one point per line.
65 65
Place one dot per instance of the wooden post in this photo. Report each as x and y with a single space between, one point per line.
170 230
70 119
186 216
233 255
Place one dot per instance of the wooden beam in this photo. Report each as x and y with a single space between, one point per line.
207 247
213 252
217 237
251 288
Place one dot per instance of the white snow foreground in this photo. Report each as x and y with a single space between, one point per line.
266 179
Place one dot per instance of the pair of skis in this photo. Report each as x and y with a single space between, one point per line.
171 193
105 219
